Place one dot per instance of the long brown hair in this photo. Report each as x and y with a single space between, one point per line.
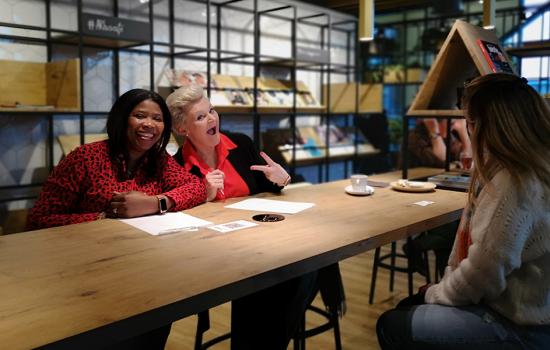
510 129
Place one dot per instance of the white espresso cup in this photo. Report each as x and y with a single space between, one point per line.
359 182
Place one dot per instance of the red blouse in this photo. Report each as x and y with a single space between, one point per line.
82 184
234 185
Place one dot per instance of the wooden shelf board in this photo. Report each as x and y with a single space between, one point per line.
39 109
531 49
268 109
436 113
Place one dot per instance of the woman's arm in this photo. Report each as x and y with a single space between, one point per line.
60 194
499 228
182 188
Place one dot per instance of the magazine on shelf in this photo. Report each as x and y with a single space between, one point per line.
312 142
495 57
261 97
306 99
180 78
237 97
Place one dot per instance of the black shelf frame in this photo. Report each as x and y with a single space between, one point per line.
213 56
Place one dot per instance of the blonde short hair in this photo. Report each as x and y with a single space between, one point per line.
181 100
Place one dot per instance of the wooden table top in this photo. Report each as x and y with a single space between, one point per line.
90 284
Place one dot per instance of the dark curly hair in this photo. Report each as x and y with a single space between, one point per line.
117 126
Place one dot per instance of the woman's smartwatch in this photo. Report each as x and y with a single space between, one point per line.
163 204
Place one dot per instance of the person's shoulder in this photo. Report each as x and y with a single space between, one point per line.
524 188
178 156
89 149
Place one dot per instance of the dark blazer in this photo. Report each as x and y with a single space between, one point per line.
241 157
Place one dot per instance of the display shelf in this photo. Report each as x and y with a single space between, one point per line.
344 97
531 49
234 94
468 51
314 155
21 192
461 58
35 86
97 36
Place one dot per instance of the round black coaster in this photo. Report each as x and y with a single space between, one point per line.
268 217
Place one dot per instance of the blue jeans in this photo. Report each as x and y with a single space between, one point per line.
430 326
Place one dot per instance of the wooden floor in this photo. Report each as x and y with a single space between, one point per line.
357 326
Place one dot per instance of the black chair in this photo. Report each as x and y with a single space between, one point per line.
393 255
331 288
329 284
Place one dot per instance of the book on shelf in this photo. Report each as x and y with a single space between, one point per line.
495 57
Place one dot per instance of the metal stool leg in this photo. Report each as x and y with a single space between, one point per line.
374 272
392 264
409 266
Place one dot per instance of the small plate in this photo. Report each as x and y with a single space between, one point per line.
368 191
413 186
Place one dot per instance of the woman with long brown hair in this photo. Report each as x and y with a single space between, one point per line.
496 289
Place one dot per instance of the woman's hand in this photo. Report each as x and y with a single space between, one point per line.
432 125
214 183
462 129
132 204
272 171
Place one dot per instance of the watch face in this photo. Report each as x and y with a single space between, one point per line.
163 205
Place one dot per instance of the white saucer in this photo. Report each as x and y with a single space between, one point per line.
368 191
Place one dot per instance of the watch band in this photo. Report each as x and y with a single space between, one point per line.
434 135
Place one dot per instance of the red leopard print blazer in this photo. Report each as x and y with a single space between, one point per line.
82 184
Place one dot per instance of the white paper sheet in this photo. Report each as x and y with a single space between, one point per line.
233 226
423 203
271 206
168 223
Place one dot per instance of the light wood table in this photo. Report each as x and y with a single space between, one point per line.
86 285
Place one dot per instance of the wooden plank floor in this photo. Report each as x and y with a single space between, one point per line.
357 326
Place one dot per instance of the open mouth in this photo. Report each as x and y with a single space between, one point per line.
145 136
211 131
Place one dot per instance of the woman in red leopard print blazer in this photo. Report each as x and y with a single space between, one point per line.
125 176
122 177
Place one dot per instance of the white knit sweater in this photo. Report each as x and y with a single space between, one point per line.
508 263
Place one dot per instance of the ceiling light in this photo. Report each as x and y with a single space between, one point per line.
366 20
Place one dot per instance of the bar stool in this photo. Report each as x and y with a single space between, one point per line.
329 284
378 262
